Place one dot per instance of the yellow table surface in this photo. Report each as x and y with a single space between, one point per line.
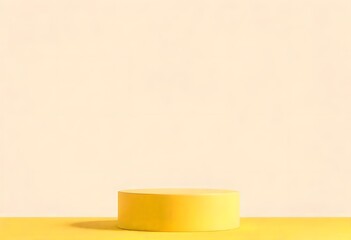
106 229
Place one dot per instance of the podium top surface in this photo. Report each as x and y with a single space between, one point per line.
178 191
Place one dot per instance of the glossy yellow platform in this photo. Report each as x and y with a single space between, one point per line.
177 209
106 229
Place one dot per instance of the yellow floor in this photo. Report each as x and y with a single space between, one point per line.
106 229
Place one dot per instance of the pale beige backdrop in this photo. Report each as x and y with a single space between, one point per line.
102 95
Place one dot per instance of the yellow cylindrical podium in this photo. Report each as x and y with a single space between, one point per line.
178 209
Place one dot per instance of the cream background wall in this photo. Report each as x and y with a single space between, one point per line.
97 96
